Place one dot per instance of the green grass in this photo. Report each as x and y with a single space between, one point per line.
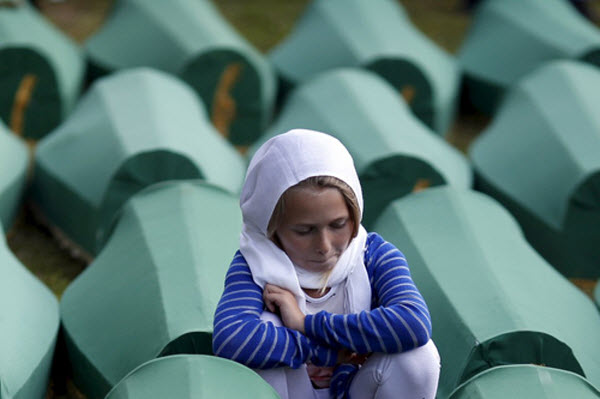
263 22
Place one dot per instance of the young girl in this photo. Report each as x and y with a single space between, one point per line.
316 305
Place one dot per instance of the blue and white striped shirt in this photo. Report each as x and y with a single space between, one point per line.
398 320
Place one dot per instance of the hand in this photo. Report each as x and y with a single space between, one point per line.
282 301
346 356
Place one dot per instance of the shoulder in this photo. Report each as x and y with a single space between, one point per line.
238 261
378 250
238 265
238 258
381 254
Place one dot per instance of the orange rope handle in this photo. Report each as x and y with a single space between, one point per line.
22 99
409 92
586 285
224 107
421 185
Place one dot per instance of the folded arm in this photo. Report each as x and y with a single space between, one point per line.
239 333
399 320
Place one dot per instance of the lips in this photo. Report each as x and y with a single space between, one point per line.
331 259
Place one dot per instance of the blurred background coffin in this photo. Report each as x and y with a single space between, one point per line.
379 36
510 38
190 39
41 71
131 129
540 158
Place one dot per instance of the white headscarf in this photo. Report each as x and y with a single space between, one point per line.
280 163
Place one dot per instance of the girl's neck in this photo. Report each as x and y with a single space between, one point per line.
316 292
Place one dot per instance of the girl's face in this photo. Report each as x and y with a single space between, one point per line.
316 227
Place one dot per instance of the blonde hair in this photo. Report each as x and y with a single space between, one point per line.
317 182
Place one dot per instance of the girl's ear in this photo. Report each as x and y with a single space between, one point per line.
355 228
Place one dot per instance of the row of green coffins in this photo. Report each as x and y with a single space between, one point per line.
548 115
29 321
553 207
190 39
130 130
42 71
494 300
376 35
394 153
14 159
510 38
540 158
201 376
116 142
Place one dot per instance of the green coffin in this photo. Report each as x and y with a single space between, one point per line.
526 382
3 393
131 129
192 377
376 35
41 72
14 159
540 158
189 38
29 320
493 299
510 38
394 152
154 288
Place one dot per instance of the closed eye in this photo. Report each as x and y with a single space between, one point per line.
339 223
303 230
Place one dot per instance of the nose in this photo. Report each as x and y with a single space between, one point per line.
323 243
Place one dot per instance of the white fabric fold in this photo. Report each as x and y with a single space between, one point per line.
280 163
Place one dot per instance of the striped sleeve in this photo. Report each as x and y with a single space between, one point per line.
398 320
239 334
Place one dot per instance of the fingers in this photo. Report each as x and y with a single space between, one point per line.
270 305
348 357
283 302
274 297
271 288
269 300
